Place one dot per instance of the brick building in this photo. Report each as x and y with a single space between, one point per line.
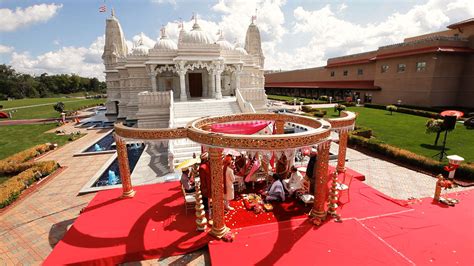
435 69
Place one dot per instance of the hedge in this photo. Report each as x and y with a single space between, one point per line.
18 162
405 110
464 171
12 188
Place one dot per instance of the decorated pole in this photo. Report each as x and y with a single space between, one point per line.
280 127
218 226
124 168
334 198
318 213
201 220
341 157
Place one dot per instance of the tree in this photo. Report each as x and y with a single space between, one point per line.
435 126
391 109
339 107
59 107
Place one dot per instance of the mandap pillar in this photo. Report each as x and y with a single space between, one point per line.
280 127
218 227
341 157
321 183
124 168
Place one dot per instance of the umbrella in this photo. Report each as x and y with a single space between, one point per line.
188 163
455 113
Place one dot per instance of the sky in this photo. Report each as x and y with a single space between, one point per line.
68 36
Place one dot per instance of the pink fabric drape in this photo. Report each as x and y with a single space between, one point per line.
245 128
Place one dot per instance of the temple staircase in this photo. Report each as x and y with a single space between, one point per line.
184 112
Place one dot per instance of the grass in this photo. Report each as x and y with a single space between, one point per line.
408 132
21 137
290 98
47 111
34 101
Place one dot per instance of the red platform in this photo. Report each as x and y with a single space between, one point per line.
376 230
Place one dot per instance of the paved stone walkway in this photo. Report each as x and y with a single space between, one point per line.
29 230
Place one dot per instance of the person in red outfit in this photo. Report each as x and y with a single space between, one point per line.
205 177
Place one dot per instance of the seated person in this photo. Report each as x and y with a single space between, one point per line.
275 191
282 166
240 163
186 182
295 182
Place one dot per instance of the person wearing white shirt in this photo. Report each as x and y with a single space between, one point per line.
295 182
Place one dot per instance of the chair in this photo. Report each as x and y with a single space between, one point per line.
344 187
304 194
189 200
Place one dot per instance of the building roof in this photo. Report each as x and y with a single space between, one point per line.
349 84
461 24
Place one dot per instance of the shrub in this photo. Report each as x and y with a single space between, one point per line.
362 132
12 188
409 158
59 107
306 109
339 107
391 109
323 98
405 110
16 163
319 112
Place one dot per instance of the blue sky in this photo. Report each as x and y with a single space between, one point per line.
67 36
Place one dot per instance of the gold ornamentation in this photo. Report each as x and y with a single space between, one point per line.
218 227
341 157
124 168
321 180
201 220
334 198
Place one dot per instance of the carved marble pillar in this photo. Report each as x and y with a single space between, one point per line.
321 183
237 77
124 168
341 157
153 81
182 85
280 127
218 85
213 83
218 227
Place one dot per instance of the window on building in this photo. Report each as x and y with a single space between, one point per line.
384 68
332 73
401 68
345 72
360 71
420 66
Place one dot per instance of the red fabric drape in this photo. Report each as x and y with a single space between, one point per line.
246 128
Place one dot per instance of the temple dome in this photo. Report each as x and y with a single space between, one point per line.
140 48
225 45
239 49
196 35
165 43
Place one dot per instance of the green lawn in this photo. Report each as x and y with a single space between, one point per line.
408 132
47 111
21 137
34 101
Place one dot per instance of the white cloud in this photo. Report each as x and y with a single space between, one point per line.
6 49
11 20
331 35
79 60
171 2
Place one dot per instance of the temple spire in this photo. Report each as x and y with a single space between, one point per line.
112 12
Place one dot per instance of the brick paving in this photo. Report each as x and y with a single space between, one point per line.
29 230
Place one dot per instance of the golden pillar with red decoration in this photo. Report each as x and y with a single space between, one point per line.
280 127
318 213
218 226
341 157
124 168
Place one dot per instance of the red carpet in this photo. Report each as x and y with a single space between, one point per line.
112 230
375 231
